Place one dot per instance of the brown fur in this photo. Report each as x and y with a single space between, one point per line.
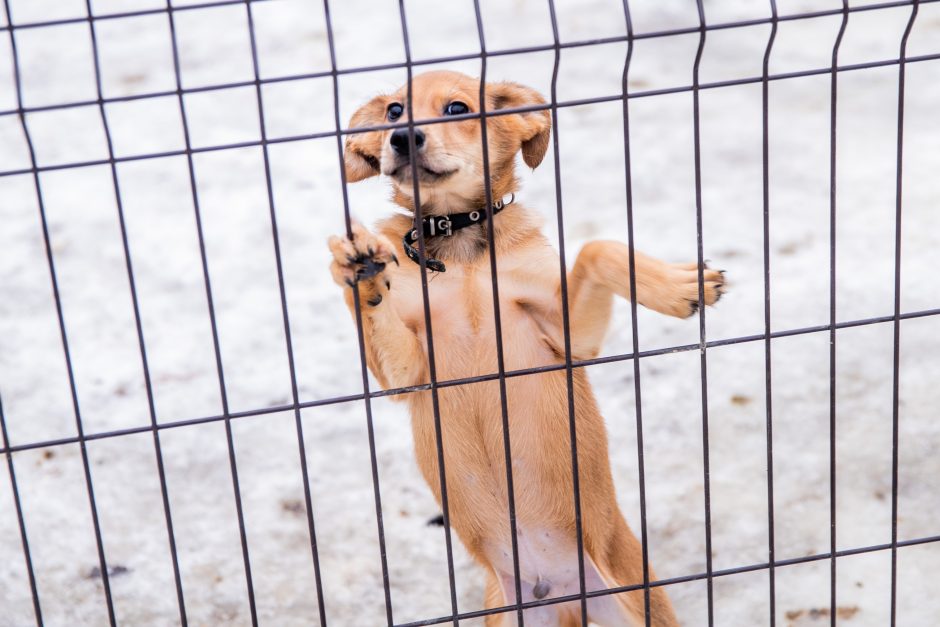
461 306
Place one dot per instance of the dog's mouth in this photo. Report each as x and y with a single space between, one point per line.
402 174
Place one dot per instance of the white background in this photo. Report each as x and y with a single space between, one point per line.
136 58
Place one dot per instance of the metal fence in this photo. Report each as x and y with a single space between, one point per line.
703 28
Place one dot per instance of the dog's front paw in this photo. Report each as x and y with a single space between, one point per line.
684 278
361 261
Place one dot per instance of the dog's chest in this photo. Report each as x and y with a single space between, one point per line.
463 322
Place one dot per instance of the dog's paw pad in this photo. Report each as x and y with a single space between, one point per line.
685 298
361 257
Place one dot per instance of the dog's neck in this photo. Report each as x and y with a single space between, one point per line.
445 202
469 244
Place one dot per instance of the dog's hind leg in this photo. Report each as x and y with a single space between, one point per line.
621 565
493 597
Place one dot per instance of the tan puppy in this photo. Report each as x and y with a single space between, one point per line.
449 157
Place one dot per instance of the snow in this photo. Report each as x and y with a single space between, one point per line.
157 202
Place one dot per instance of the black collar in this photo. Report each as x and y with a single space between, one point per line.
444 226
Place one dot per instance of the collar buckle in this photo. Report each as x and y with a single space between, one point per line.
445 226
440 226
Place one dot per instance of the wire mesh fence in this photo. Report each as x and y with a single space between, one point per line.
91 21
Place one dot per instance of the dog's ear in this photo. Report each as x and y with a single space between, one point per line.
364 150
533 128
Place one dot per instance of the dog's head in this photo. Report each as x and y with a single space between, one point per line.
448 154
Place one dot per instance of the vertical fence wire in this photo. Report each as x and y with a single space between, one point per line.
497 320
833 116
360 334
132 284
429 334
230 441
697 148
20 520
565 317
896 375
768 382
634 322
60 317
288 339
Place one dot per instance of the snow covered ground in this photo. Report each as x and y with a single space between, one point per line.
89 260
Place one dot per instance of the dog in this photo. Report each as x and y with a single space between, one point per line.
378 265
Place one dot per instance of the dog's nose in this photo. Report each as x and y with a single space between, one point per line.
399 140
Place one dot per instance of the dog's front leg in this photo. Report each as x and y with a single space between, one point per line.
393 352
602 269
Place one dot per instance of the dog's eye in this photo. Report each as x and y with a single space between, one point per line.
394 111
456 108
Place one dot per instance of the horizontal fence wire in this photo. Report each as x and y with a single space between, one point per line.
575 363
455 118
649 35
671 581
434 385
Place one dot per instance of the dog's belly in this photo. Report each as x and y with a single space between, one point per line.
548 567
548 559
